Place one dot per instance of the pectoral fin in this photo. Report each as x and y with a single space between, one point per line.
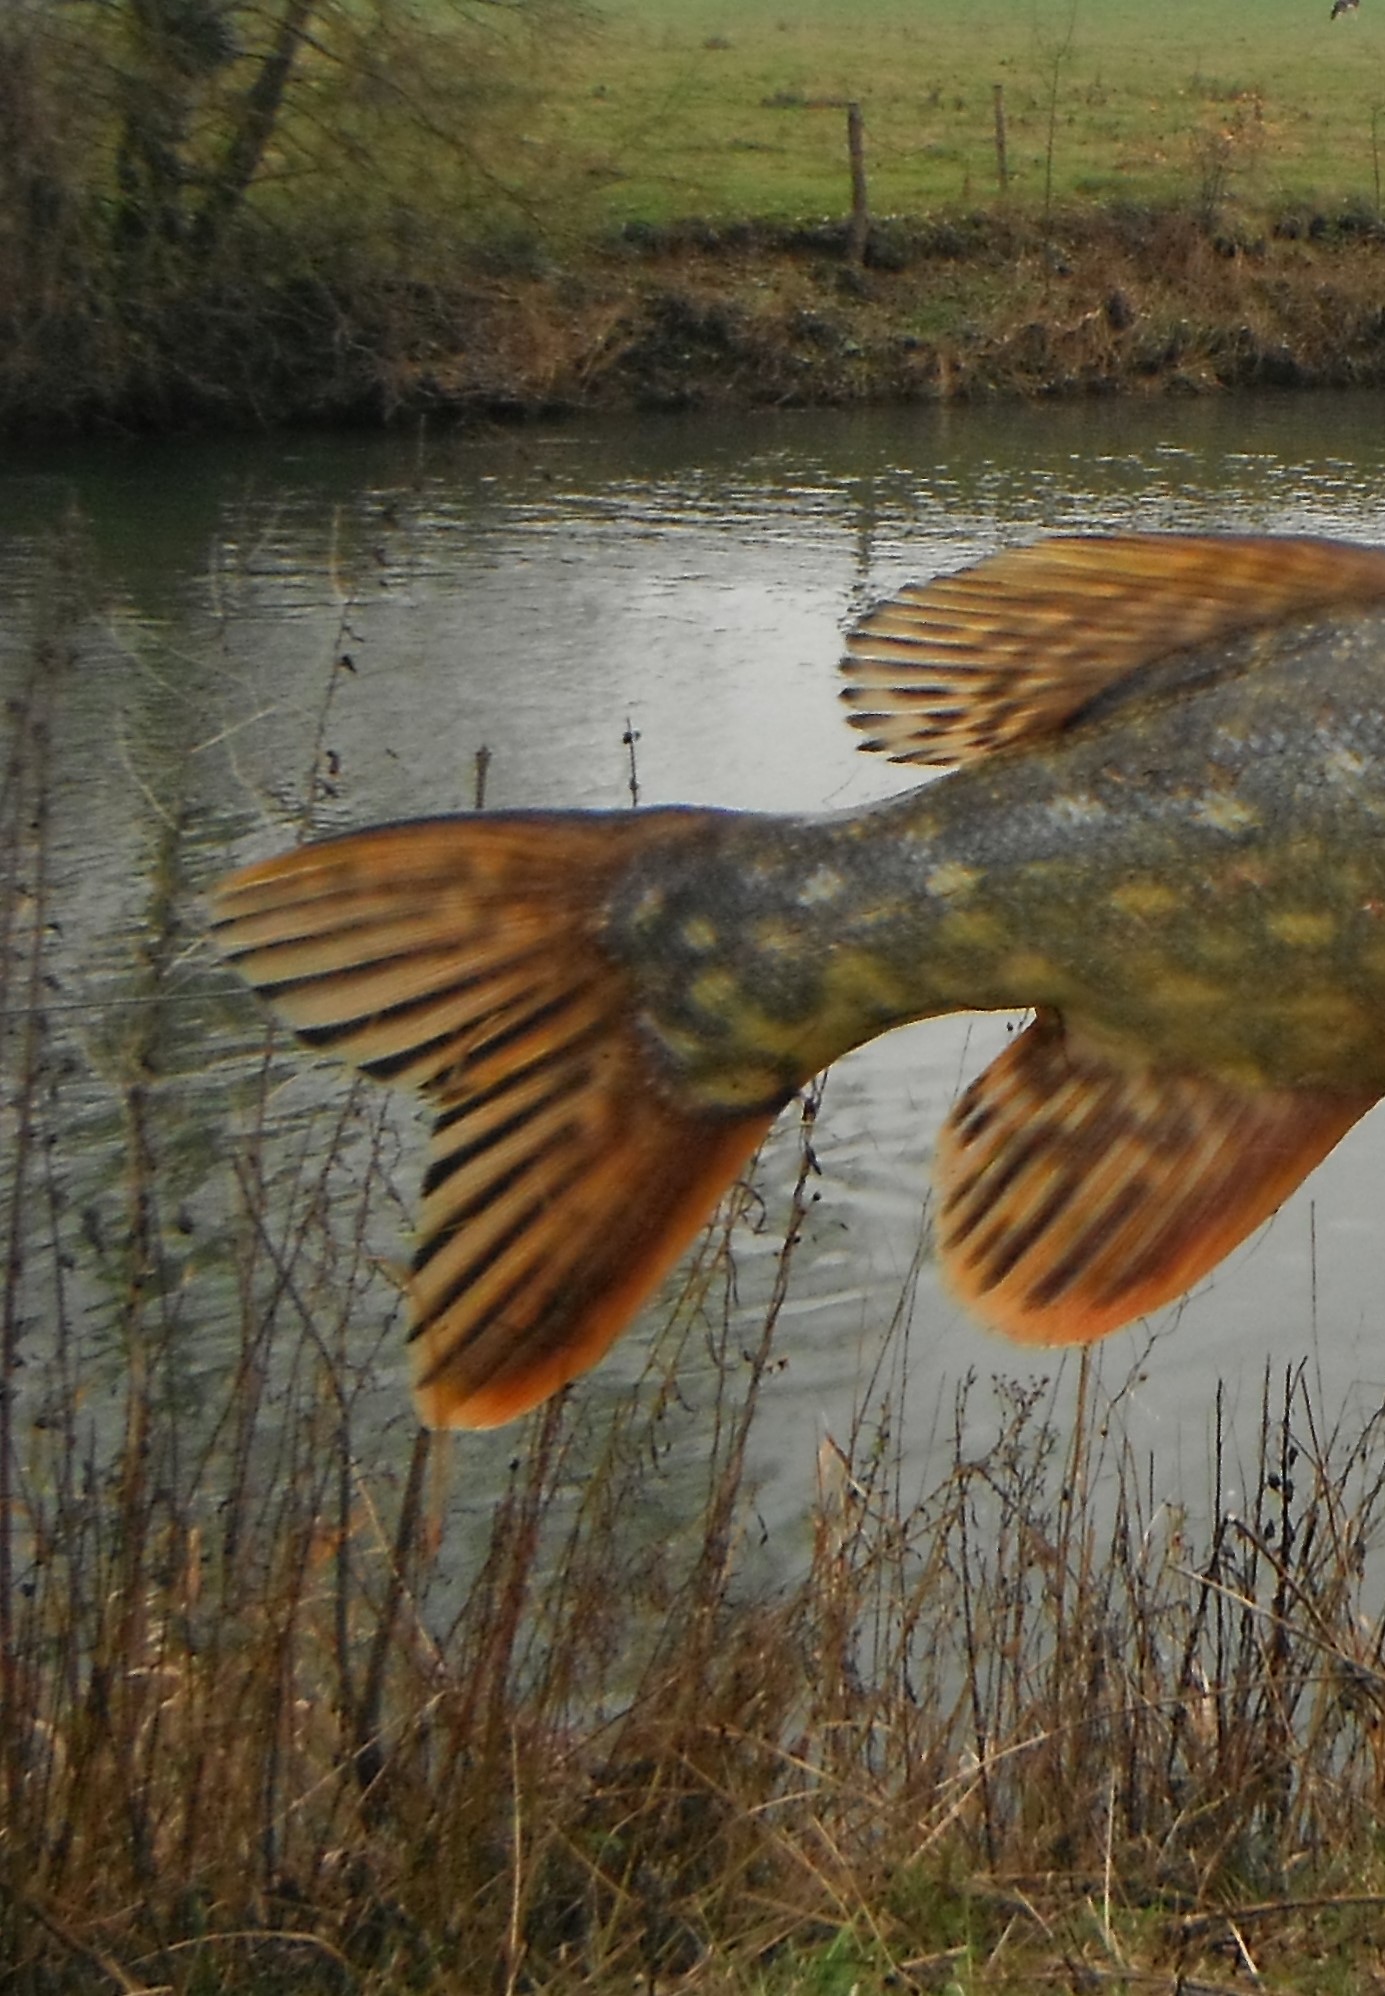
462 957
1076 1194
1016 646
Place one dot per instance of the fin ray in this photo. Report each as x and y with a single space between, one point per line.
1017 645
1076 1194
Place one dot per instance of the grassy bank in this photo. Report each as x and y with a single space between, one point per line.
473 209
269 1721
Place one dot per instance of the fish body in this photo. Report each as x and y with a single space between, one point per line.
1198 876
1163 831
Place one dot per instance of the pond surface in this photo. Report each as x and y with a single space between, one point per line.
542 594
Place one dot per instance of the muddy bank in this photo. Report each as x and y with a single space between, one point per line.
1138 300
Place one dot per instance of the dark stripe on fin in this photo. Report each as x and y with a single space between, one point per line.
1016 646
642 1180
451 1155
1076 1194
463 955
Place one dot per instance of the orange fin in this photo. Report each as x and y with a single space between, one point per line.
460 956
1018 645
1075 1194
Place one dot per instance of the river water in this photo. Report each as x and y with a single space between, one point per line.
544 593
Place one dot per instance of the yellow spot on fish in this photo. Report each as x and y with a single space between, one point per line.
826 884
1144 900
1331 1013
1181 991
853 982
1242 1071
1226 814
970 931
1030 971
1069 811
700 934
952 880
745 1087
1303 928
714 991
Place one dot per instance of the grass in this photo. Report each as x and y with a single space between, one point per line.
729 110
294 1698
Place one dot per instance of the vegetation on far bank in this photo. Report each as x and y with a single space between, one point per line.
343 209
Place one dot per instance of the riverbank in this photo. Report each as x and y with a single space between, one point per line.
1124 300
1129 299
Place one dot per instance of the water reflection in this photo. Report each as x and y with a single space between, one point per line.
326 631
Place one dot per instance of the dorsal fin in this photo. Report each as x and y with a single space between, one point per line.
461 957
1076 1194
1016 646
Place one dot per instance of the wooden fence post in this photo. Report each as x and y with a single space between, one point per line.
1001 164
858 229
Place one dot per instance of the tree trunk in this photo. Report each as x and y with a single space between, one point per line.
259 113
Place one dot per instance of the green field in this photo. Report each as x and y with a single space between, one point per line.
726 109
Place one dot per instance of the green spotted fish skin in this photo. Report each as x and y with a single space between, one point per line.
1162 830
1198 873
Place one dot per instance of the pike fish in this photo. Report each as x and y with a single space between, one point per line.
1162 831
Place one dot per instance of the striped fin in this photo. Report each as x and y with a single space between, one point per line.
1075 1194
1018 645
461 957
